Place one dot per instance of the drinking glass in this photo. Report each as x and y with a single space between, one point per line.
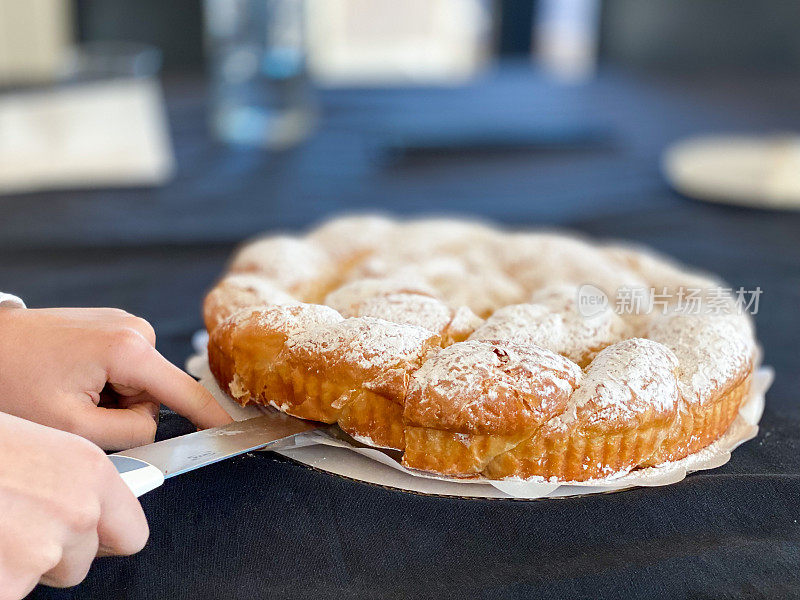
260 93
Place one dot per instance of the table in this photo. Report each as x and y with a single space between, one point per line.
260 526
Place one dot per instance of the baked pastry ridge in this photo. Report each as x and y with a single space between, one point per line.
717 358
244 348
237 291
357 369
624 408
476 399
552 320
401 357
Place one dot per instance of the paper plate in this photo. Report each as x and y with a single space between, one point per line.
762 172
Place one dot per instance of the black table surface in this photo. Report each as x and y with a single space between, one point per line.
261 526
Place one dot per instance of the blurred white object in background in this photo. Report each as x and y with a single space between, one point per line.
98 121
256 54
745 170
390 42
105 133
34 35
566 37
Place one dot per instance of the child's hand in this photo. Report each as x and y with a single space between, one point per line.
94 372
61 504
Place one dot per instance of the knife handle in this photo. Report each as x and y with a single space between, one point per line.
139 476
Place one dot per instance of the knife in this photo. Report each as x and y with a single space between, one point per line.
145 468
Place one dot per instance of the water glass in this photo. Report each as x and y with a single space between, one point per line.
260 92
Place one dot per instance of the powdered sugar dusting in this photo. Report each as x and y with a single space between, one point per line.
347 237
469 383
289 261
464 322
240 287
350 296
657 271
712 349
628 378
461 280
239 291
538 260
411 309
460 284
555 324
524 324
289 318
483 292
364 341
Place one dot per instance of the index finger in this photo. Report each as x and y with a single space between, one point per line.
141 366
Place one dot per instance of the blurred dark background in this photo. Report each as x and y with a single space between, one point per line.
663 34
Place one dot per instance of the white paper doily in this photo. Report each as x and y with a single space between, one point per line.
328 453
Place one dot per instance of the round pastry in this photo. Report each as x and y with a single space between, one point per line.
302 268
354 372
238 291
548 386
347 298
477 399
243 349
452 325
349 239
552 321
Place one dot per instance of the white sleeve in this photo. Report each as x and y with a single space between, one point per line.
7 300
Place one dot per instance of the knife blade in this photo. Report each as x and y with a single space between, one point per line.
146 467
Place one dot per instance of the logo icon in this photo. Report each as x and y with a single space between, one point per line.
592 301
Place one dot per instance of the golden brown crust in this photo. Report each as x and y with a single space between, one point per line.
625 406
577 455
700 425
374 419
243 350
358 370
452 453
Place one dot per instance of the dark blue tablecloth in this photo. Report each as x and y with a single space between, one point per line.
263 527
